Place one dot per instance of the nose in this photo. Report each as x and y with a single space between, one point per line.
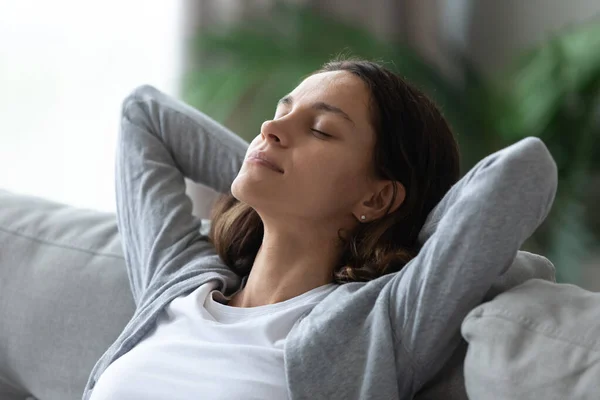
271 132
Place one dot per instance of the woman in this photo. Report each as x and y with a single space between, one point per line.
343 261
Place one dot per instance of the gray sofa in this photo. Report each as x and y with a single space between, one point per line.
65 297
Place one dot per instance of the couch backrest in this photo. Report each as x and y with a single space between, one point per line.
64 295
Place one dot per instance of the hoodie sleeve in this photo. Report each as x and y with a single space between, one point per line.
470 238
161 141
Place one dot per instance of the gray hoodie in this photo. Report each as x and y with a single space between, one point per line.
383 339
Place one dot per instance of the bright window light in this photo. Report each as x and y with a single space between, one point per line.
65 67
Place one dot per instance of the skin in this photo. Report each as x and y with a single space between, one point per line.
327 183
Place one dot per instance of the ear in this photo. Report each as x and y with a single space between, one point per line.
375 204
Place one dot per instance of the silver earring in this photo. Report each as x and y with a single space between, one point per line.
363 217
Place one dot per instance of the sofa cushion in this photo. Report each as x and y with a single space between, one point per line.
64 295
540 340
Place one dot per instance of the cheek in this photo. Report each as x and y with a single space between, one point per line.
334 181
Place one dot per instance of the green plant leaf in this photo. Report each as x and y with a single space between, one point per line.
539 84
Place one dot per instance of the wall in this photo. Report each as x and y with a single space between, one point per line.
497 30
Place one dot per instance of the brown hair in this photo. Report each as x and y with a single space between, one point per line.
414 146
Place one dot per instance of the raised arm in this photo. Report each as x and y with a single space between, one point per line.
470 238
161 141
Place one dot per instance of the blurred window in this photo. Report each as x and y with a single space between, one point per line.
65 67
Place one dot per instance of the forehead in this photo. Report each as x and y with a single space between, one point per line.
341 89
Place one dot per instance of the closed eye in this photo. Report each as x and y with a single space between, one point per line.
321 133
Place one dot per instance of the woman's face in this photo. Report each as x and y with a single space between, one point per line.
313 160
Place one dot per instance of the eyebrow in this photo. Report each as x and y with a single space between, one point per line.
320 106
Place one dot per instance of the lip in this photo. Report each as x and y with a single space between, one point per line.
260 157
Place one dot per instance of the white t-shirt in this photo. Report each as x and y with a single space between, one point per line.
202 348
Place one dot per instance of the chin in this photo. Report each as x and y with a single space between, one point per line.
250 191
262 195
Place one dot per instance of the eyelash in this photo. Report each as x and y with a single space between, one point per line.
322 133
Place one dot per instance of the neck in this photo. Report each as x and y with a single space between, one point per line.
288 264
